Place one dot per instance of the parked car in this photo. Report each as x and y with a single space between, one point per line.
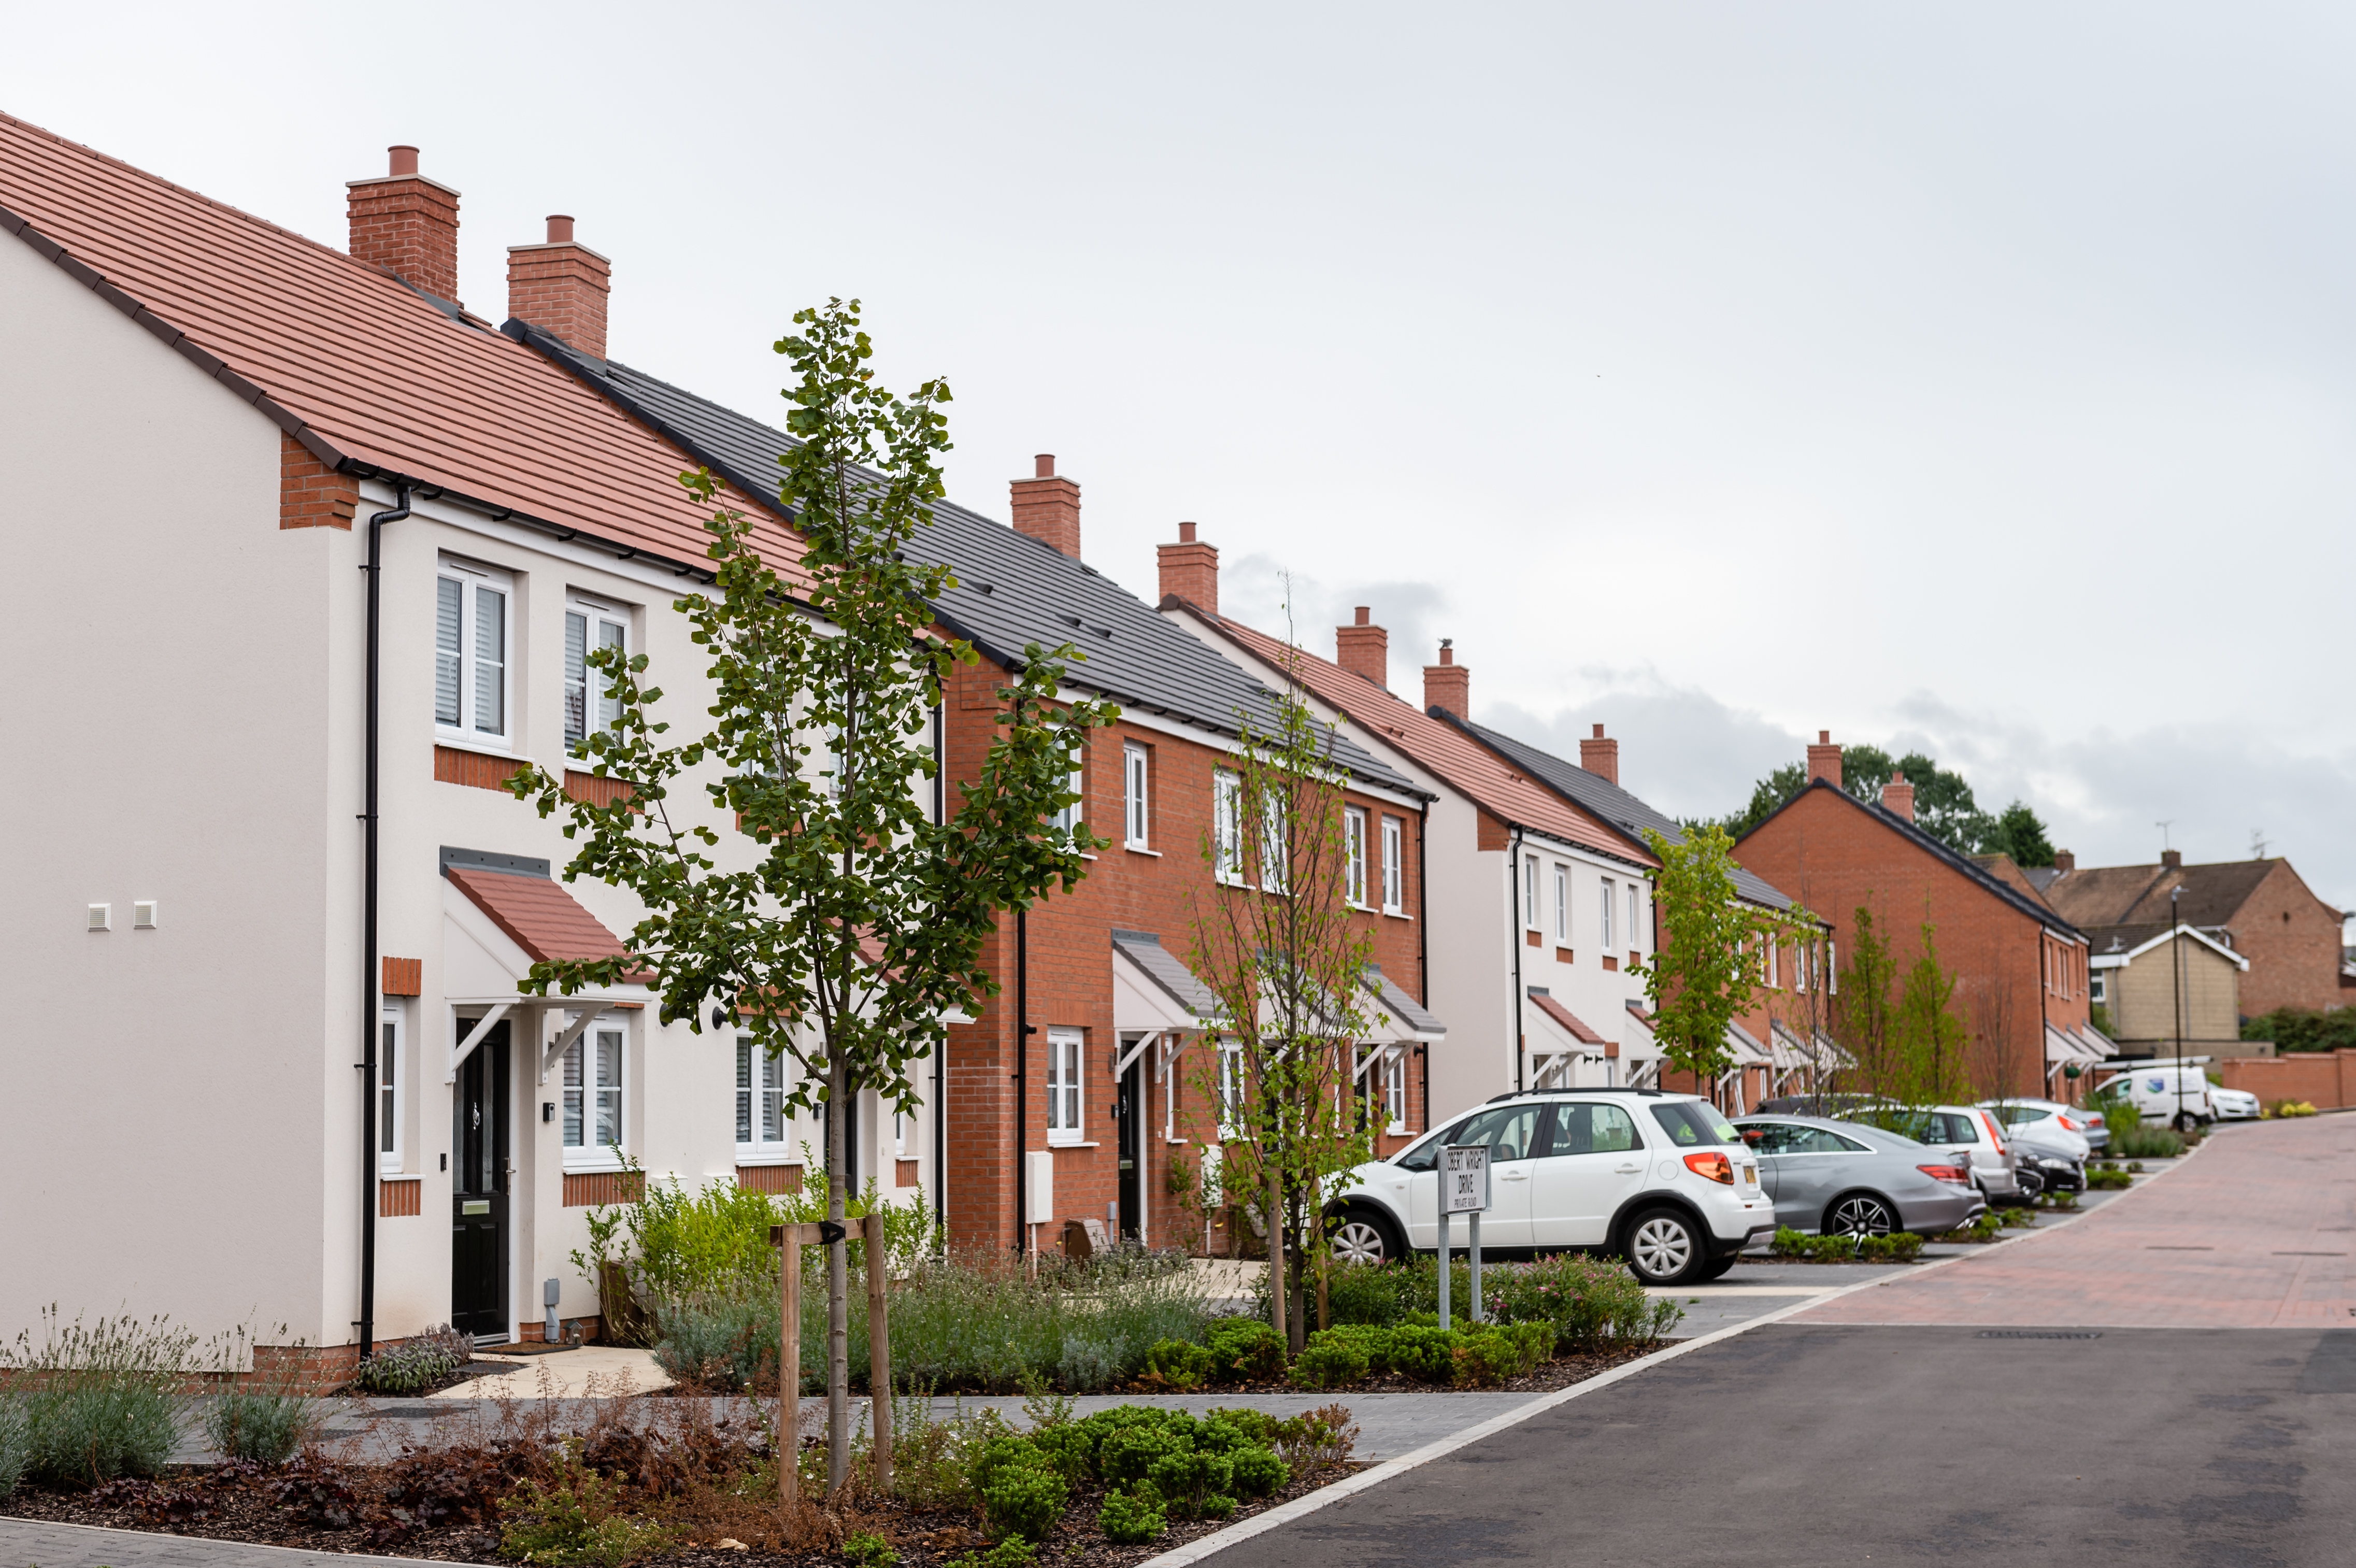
2045 1136
2235 1104
1968 1132
2034 1114
1850 1179
2161 1092
1660 1179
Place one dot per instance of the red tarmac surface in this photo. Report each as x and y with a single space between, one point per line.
2255 1229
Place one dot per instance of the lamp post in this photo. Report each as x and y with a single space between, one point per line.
2176 970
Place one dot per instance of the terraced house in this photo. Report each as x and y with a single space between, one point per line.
323 553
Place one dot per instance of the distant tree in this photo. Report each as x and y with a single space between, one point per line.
2019 833
1927 1035
1767 797
1865 769
2304 1029
1943 806
1863 1010
1709 965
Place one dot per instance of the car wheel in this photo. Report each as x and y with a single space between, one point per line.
1363 1238
1860 1214
1665 1248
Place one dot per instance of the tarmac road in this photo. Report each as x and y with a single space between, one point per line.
1934 1420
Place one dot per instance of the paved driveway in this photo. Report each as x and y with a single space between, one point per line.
2082 1398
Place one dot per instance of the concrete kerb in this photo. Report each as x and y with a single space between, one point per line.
1219 1541
162 1538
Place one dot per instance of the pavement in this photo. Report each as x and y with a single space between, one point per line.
2095 1393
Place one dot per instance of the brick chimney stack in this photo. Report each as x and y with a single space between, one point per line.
561 287
408 225
2064 860
1897 797
1190 571
1365 649
2172 859
1047 508
1601 757
1825 760
1447 684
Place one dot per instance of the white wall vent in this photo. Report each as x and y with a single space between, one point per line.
143 915
102 917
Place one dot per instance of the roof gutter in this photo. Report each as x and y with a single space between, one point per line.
371 976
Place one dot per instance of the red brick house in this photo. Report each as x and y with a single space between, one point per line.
2021 967
2262 910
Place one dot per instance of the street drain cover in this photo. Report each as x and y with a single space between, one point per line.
2039 1334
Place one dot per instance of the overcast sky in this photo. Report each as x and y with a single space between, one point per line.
1977 378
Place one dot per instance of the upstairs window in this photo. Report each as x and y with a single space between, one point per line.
1635 925
587 707
1231 1089
1563 904
471 651
1353 856
1609 893
1074 814
1136 778
1227 827
1394 866
1531 919
1275 845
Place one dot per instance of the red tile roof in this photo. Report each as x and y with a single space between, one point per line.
541 918
1569 1020
348 359
1471 769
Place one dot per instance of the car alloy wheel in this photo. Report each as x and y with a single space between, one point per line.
1861 1216
1359 1241
1661 1248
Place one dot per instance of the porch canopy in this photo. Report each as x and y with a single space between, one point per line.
500 915
1561 1039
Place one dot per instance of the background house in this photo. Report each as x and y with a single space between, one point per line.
2159 985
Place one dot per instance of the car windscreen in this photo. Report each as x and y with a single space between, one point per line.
1426 1154
1693 1122
2014 1115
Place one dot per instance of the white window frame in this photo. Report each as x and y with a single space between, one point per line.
1231 1088
1775 958
576 1112
1072 816
1353 856
1395 1094
2097 987
1610 891
601 626
1394 866
753 1091
1562 904
391 1099
1227 827
1531 919
1136 800
473 584
1635 925
1066 1106
1832 967
1275 845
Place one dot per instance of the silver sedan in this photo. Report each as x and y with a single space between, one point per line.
1847 1179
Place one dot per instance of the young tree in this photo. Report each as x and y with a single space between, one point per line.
1928 1036
1277 943
815 898
1709 964
1863 1013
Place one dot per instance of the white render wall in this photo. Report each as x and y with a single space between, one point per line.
171 654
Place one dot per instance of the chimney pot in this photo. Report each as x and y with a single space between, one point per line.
1448 685
1897 797
1365 649
1190 571
1601 757
561 287
407 224
1825 760
1048 508
2173 859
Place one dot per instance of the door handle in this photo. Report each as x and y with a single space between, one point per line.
1514 1175
1628 1170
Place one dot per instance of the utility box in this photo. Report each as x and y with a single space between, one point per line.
1039 1187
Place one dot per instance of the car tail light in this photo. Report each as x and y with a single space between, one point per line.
2065 1122
1953 1174
1714 1166
1995 1134
2095 1120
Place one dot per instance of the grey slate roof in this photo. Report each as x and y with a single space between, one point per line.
1410 1012
1011 589
1606 801
1145 949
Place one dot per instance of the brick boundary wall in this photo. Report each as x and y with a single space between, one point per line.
2325 1079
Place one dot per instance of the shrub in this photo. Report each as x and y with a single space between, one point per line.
1127 1453
1012 1553
1024 1500
2147 1144
1176 1365
2106 1180
1255 1472
416 1364
1366 1293
100 1402
1255 1425
1244 1349
2057 1200
1983 1229
865 1549
1330 1363
15 1442
1320 1437
1492 1353
574 1519
2291 1108
261 1426
1067 1448
1188 1478
2304 1029
1133 1517
1899 1246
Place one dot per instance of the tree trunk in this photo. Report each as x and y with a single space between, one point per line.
1277 1303
837 1284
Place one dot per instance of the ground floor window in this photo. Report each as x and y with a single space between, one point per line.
593 1091
1394 1093
764 1127
388 1091
1063 1050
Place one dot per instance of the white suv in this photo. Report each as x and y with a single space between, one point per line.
1660 1179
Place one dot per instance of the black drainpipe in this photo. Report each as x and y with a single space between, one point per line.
1423 953
1022 1071
371 1001
1513 880
941 1049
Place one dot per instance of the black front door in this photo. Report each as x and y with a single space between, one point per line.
478 1188
1128 1110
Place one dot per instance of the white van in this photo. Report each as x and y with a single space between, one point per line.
2161 1092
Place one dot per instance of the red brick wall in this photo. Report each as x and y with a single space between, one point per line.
2323 1079
2292 941
1833 857
311 494
1071 985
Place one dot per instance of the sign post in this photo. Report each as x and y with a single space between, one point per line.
1463 1189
